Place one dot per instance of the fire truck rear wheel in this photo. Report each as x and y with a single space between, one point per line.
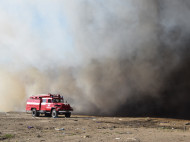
34 113
54 113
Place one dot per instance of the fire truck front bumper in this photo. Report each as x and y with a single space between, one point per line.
64 111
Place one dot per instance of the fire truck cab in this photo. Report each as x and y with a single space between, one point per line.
48 104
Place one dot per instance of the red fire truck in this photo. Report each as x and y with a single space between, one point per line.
48 104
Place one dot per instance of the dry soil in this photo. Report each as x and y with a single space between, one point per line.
22 127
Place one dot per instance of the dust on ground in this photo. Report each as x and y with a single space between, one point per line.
22 127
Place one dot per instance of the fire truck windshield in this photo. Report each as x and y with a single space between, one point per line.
57 101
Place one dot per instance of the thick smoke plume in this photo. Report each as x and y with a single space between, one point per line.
126 58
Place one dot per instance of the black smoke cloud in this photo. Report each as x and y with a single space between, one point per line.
144 68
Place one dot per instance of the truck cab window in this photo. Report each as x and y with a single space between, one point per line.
56 101
43 100
49 100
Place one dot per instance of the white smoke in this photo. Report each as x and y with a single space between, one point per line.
101 55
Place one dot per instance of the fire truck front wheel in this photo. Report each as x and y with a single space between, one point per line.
54 113
34 113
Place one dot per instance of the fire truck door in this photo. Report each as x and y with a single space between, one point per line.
48 105
43 104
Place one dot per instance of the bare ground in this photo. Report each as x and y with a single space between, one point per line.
22 127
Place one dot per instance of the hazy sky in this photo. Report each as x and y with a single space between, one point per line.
32 32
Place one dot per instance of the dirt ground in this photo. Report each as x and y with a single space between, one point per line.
22 127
